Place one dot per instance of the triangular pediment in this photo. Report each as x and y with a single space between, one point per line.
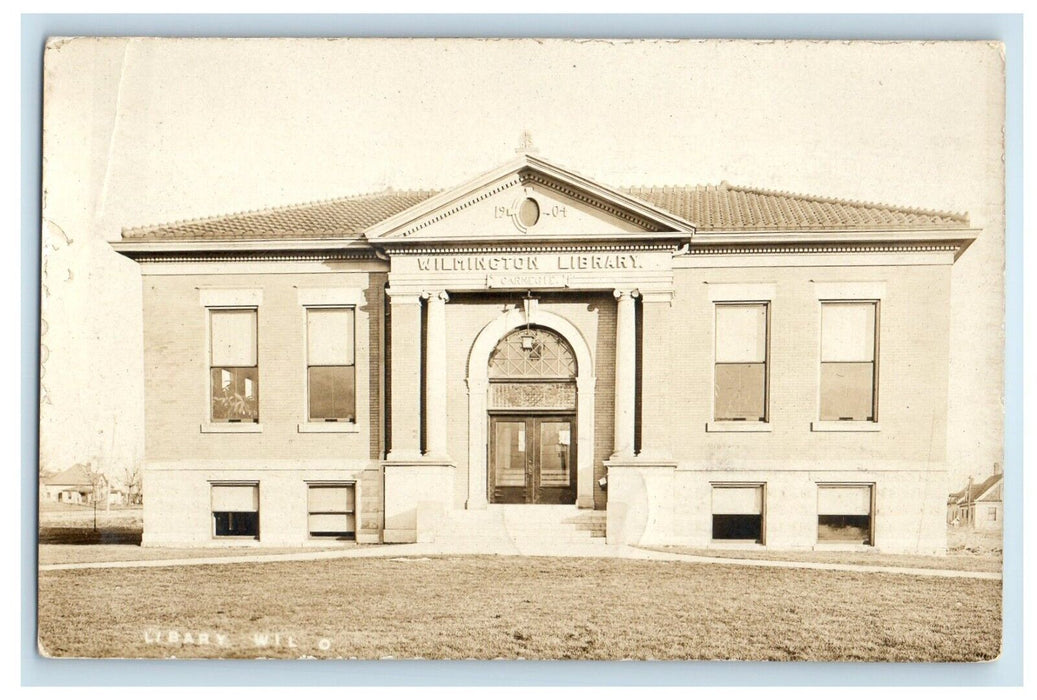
529 199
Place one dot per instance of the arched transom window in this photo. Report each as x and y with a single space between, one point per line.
532 353
533 368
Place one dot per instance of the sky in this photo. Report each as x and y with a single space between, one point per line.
144 131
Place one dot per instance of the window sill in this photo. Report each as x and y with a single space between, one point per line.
737 426
231 428
324 540
749 545
843 547
342 427
844 426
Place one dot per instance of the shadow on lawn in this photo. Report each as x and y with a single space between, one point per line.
81 535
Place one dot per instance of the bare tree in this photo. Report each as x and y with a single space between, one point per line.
133 483
99 486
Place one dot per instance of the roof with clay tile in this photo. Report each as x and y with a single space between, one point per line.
347 217
722 207
727 207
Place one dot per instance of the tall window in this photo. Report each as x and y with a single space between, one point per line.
330 367
234 366
740 376
235 510
738 512
844 513
848 376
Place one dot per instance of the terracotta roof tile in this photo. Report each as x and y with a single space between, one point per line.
727 207
722 207
347 217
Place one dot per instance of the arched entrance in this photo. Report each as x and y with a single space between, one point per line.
532 415
541 395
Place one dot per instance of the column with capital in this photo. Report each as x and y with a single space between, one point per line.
418 489
626 356
435 375
405 389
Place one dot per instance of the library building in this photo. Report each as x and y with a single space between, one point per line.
537 354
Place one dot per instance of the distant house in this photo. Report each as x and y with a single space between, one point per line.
70 486
117 495
979 505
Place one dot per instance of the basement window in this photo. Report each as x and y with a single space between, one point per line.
738 512
331 510
235 510
844 513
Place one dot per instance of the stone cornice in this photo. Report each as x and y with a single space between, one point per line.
561 247
595 202
954 241
526 169
832 248
520 179
261 247
810 242
459 206
251 256
792 248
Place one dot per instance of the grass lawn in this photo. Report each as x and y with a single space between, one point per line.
78 554
967 550
513 607
74 524
958 562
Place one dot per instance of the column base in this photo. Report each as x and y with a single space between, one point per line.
640 503
403 457
418 493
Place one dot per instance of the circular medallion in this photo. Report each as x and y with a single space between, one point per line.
528 212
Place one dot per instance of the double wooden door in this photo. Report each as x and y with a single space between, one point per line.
532 459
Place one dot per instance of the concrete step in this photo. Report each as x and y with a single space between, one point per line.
523 526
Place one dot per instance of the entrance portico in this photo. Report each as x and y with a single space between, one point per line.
515 238
478 385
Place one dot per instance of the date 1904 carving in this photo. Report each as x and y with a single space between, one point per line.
557 211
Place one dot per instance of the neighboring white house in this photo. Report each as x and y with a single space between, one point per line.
70 486
979 505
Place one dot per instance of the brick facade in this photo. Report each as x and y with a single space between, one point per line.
488 274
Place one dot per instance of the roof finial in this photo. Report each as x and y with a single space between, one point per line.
526 143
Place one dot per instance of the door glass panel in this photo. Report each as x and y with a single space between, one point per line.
509 459
555 439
